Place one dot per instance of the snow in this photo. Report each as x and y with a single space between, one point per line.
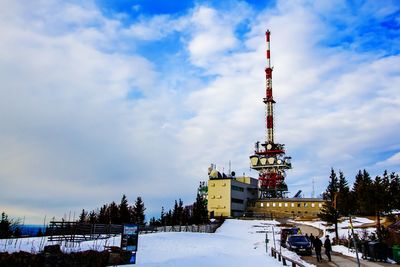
235 243
343 227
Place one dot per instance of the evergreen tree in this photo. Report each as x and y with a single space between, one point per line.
200 212
92 217
380 187
177 213
114 213
329 212
139 211
186 216
343 199
104 215
362 192
83 216
394 189
162 217
124 213
6 226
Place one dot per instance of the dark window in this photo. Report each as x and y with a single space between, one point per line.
236 200
237 188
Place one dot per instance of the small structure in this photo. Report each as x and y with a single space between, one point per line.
228 195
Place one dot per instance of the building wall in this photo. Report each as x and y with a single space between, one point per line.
219 196
228 197
287 207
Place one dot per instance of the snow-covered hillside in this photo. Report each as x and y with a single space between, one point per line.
236 243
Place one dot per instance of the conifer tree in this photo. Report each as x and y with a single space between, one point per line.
363 195
343 199
92 217
162 217
139 211
104 215
124 211
200 213
83 216
114 213
394 189
329 212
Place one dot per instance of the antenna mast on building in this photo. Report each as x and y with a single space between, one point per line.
270 161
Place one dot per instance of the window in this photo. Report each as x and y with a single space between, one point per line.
292 205
280 204
273 204
320 205
298 205
313 205
286 204
236 200
305 205
267 204
262 204
237 188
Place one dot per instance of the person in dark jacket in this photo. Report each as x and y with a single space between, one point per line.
328 247
312 239
317 246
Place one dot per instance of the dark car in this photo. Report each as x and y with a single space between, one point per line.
299 244
285 232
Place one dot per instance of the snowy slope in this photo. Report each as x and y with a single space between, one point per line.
236 243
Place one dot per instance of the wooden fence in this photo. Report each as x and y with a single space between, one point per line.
284 259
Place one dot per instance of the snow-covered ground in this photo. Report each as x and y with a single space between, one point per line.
235 243
343 227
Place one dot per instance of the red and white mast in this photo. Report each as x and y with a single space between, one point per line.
268 100
270 161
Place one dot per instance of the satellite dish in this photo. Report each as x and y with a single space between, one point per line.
263 161
233 174
279 161
271 160
269 146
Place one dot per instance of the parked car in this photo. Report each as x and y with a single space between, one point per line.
285 232
299 244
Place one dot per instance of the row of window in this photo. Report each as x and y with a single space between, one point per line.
236 200
299 205
237 188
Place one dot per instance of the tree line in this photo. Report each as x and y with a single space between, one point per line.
183 215
113 213
367 197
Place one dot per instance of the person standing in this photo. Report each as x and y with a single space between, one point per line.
317 246
328 247
312 239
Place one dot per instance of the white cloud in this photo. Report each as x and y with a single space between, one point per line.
72 133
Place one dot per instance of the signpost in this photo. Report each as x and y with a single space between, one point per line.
129 242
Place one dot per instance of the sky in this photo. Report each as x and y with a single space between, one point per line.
137 97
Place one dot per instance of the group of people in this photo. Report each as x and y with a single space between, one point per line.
316 243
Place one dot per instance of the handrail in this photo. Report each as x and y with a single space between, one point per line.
283 258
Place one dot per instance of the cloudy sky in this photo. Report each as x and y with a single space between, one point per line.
137 97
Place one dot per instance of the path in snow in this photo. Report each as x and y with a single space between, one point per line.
339 260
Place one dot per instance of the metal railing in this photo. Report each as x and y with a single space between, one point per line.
284 259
